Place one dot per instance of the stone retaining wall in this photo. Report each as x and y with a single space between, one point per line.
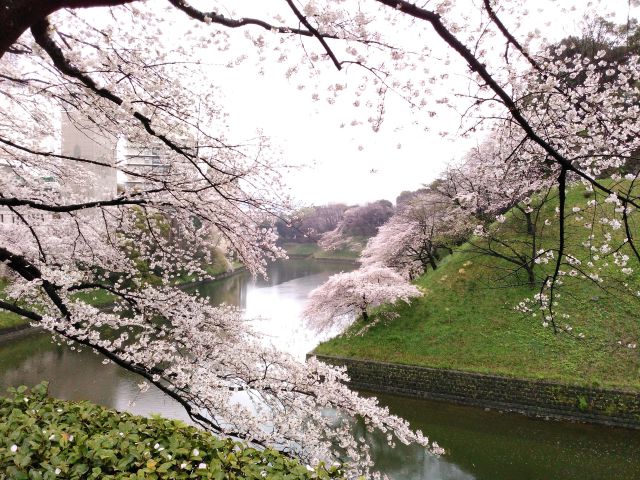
530 397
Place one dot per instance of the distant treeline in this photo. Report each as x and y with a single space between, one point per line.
310 224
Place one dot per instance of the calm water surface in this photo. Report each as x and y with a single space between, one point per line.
479 444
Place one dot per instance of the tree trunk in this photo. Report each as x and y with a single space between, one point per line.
530 229
530 276
365 315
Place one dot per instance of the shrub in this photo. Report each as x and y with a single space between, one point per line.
45 438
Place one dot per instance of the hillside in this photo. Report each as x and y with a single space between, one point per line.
466 321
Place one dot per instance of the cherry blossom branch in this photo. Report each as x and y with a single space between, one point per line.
31 272
510 38
11 307
51 154
315 33
480 68
214 17
116 202
40 33
43 256
150 376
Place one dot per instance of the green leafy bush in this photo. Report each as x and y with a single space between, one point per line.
46 438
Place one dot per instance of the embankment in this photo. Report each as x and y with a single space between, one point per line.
530 397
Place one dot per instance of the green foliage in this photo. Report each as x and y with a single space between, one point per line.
466 321
582 403
8 319
97 297
45 438
219 264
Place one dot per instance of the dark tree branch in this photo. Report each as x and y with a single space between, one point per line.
116 202
507 34
315 33
43 256
214 17
480 68
30 272
17 16
20 311
562 197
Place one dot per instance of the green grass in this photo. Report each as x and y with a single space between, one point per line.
97 297
466 321
9 319
300 249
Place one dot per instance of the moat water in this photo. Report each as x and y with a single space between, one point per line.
479 444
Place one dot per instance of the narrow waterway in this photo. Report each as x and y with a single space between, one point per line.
479 444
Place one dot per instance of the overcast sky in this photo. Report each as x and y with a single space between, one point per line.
342 164
337 162
354 164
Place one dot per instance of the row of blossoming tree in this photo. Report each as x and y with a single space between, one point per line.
142 71
497 200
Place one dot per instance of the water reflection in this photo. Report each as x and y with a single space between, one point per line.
480 445
410 461
75 375
274 304
491 445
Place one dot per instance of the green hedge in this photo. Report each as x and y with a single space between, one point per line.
46 438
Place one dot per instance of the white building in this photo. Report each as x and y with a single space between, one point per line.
97 181
7 217
94 179
145 162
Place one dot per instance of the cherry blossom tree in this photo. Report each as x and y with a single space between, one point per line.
358 221
506 199
308 224
345 296
119 76
135 71
413 240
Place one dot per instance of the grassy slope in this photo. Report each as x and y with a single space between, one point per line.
8 319
466 321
